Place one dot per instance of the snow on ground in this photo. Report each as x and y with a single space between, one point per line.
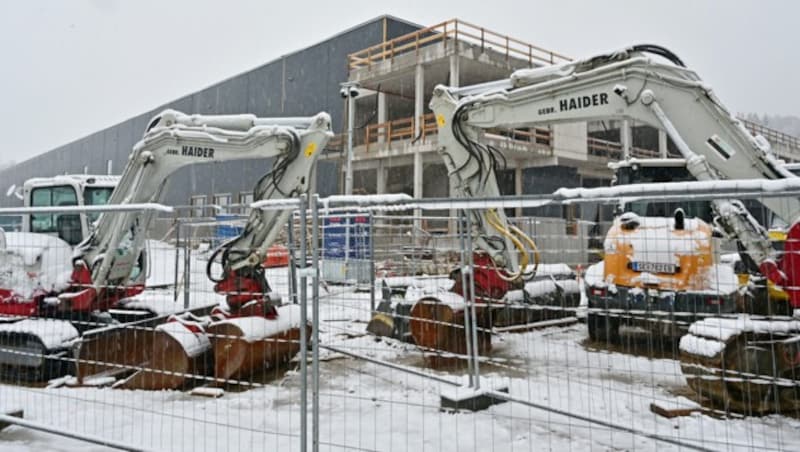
364 406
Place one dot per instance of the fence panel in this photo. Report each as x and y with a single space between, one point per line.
413 325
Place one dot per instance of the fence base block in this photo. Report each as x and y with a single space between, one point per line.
13 413
465 398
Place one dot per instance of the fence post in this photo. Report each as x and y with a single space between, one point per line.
371 262
315 320
177 256
187 271
292 260
462 232
303 329
470 311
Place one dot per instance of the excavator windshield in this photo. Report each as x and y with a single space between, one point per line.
48 223
644 172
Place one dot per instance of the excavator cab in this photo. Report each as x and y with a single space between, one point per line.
65 191
649 171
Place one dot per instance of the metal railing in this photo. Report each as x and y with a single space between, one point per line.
403 129
772 135
612 150
455 30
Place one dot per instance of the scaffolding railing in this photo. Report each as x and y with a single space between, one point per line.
455 30
772 135
612 150
538 139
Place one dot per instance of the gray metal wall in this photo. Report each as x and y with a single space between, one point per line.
302 83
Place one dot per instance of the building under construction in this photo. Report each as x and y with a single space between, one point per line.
390 67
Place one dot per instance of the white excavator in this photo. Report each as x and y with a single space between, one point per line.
42 327
751 361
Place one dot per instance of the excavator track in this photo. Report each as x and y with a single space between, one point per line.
744 365
35 350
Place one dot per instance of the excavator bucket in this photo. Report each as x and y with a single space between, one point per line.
743 365
437 325
252 345
150 354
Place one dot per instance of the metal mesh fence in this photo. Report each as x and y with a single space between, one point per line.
389 324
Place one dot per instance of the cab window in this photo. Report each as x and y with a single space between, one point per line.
49 222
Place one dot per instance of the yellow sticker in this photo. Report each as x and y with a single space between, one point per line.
310 149
440 120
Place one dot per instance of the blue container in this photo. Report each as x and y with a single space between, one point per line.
346 237
226 231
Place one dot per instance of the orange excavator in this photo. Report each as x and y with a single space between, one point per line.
44 326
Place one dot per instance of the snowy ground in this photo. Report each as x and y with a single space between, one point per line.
364 406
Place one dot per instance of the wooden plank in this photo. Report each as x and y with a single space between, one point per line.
536 325
671 413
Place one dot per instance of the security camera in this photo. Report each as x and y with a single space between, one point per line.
349 91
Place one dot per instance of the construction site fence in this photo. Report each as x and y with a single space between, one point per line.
523 367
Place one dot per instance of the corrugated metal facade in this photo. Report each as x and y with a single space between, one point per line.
302 83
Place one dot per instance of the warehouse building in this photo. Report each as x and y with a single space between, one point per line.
395 64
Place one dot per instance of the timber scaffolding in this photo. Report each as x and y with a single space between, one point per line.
398 75
402 73
454 30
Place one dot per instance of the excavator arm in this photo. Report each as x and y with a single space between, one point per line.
626 84
242 278
106 261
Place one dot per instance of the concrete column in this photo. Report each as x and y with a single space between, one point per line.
348 168
380 179
518 186
383 113
455 75
662 144
419 98
417 187
455 81
625 137
419 108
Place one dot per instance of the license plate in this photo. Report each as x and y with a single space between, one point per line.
654 267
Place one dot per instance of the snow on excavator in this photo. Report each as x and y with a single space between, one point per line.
734 361
646 241
107 267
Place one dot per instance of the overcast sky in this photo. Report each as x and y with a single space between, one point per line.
73 67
